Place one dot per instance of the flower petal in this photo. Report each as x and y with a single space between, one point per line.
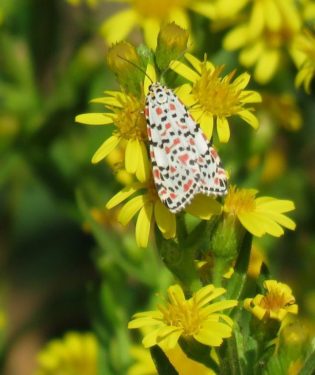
184 71
132 155
143 169
118 26
151 28
94 119
165 220
123 194
206 124
204 207
196 63
223 129
267 65
105 148
131 208
143 225
250 118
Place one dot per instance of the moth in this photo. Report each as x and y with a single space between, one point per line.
184 163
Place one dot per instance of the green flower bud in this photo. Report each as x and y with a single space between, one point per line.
124 61
226 237
171 43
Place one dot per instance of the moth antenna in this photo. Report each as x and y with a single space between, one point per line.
136 66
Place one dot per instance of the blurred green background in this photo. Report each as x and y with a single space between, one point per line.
61 267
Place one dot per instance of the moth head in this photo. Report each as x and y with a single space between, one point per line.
158 93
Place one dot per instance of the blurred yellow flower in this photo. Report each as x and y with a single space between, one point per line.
256 260
126 112
305 44
144 364
151 209
76 353
276 303
192 318
258 215
213 99
283 110
149 14
270 30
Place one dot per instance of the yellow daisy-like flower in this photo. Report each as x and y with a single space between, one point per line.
126 112
76 353
193 318
150 14
213 99
305 44
271 29
259 215
150 209
276 303
144 364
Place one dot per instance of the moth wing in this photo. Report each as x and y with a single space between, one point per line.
175 171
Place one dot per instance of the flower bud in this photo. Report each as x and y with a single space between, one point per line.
226 237
124 61
172 42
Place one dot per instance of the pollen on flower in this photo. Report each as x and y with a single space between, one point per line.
239 201
156 9
217 95
183 315
130 119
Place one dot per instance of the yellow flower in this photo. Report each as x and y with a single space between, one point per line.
150 208
149 15
258 215
271 28
283 110
213 99
305 44
276 303
256 260
144 364
76 353
192 318
126 112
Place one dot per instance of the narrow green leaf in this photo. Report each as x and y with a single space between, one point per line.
162 363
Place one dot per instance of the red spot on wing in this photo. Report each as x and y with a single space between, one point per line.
167 150
162 192
176 141
173 195
168 125
216 181
146 112
214 153
188 185
184 158
173 169
156 173
172 107
158 111
152 154
192 141
149 132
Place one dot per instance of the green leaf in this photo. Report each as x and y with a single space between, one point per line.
162 364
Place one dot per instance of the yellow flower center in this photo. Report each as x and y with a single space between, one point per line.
276 300
276 39
156 8
185 315
239 201
130 119
216 95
